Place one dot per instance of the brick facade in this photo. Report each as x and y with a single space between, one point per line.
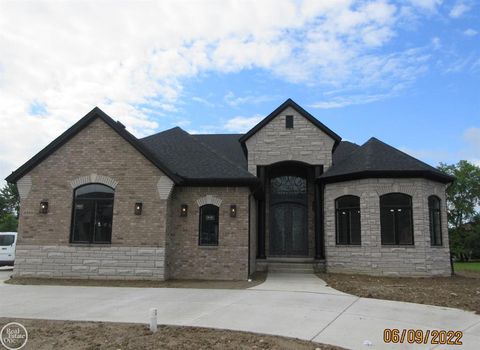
161 244
227 261
98 153
371 257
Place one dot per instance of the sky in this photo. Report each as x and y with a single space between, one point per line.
406 72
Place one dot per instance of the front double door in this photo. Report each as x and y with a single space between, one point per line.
288 216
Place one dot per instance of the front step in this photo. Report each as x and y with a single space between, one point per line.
290 265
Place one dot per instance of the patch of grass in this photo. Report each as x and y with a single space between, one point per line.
467 266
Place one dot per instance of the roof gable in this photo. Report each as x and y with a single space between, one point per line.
301 111
75 129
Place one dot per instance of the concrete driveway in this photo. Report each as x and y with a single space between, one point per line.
300 306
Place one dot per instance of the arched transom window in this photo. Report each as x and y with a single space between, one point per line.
208 234
92 214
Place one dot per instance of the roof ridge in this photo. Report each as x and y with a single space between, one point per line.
161 132
216 153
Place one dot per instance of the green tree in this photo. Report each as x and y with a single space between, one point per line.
463 201
9 208
463 195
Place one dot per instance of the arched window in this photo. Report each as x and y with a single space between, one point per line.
435 220
208 234
347 209
92 214
396 219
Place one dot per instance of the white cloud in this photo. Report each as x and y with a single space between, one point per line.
132 59
436 43
470 32
459 9
344 101
430 5
242 124
234 101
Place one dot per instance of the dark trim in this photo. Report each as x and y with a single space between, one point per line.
301 111
72 218
349 210
396 236
443 178
261 217
249 232
431 220
319 205
200 217
76 128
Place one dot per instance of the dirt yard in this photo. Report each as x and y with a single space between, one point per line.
461 291
46 335
256 279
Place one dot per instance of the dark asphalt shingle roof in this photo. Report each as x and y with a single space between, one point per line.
228 145
377 159
343 150
195 157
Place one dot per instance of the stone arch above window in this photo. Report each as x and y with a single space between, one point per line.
94 178
396 188
209 199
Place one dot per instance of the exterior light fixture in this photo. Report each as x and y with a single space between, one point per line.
184 210
138 208
43 207
233 211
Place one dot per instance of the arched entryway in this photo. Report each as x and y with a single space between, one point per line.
288 210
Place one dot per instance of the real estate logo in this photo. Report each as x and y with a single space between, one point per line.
13 336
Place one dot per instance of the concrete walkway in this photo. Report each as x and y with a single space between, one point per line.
308 310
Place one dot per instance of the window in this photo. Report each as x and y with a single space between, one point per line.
347 214
435 220
208 234
6 240
92 214
396 219
289 121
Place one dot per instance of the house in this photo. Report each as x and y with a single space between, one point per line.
99 203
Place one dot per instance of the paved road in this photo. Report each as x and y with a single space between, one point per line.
299 306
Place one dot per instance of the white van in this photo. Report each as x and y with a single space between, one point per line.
8 242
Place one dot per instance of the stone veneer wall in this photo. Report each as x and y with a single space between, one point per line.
96 154
227 261
274 143
371 257
96 262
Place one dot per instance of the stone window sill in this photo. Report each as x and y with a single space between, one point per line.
208 246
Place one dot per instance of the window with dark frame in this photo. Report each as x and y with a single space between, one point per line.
92 214
289 121
396 219
435 220
208 231
348 222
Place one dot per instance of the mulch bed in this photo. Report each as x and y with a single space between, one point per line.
47 335
461 291
256 279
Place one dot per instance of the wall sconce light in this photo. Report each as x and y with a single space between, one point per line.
43 207
233 211
138 208
184 210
